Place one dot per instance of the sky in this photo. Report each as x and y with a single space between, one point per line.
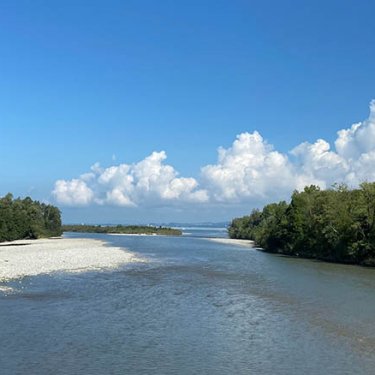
157 111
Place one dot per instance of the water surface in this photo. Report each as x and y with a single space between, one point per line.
197 307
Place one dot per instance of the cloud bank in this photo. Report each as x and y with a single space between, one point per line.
249 171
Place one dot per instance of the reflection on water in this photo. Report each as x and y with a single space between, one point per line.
197 307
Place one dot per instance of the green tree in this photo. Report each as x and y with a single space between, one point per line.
27 219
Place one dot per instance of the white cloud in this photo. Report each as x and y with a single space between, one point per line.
353 160
359 139
73 193
249 171
250 168
319 164
148 182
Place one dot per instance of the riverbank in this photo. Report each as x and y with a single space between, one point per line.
34 257
231 241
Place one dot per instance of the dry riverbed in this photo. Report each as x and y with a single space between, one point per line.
35 257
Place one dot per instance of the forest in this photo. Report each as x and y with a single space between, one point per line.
336 225
25 218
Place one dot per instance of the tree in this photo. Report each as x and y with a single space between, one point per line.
337 224
27 219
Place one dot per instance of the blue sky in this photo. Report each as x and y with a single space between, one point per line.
111 82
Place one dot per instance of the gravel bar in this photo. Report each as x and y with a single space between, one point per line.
35 257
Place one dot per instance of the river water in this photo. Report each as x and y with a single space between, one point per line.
196 307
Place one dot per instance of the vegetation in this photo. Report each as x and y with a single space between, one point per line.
122 229
25 218
335 225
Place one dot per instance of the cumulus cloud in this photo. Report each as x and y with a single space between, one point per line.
359 139
250 170
353 160
318 163
148 182
73 193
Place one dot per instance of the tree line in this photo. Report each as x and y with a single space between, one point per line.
336 225
122 229
25 218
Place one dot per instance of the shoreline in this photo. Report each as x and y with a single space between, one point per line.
232 241
134 234
143 234
23 258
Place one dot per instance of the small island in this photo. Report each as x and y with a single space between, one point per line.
123 229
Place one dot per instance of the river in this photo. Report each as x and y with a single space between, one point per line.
196 307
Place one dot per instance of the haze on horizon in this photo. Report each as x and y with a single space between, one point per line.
189 111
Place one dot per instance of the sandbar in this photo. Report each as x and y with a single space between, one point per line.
231 241
133 234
